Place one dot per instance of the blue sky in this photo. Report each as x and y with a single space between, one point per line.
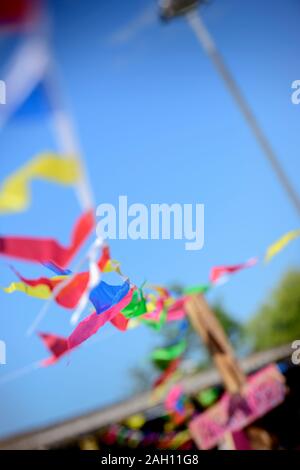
156 124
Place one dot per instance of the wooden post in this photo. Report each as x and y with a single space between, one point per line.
209 329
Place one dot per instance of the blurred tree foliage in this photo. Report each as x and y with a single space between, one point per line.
277 322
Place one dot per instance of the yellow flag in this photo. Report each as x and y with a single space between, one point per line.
40 291
15 192
281 243
111 266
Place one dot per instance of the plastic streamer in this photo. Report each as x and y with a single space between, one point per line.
170 352
43 250
104 296
40 291
218 272
16 13
59 346
137 306
198 289
120 322
15 193
177 310
281 243
56 269
70 295
56 291
159 318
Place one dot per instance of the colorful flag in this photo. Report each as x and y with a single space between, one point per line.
104 296
42 287
170 352
177 310
14 191
56 344
120 322
43 250
281 243
56 269
198 289
157 318
59 346
218 272
39 290
137 306
16 12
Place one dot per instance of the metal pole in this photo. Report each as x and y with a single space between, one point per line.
195 21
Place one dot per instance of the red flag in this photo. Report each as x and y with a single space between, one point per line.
105 257
17 12
70 295
56 344
120 322
42 250
59 346
217 272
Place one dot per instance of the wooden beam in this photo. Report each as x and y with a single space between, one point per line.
212 334
72 429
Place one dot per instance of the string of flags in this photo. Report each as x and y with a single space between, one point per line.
15 192
153 309
125 305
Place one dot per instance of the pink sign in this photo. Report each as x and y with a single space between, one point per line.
264 391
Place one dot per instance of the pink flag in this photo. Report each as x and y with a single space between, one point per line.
59 346
218 272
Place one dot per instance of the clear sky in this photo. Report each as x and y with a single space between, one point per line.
156 124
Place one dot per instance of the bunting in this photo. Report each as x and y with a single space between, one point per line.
15 193
218 272
43 250
137 306
281 244
104 296
59 346
39 291
70 295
